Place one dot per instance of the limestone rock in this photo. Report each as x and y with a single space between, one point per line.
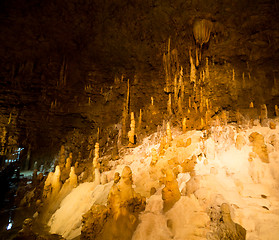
272 125
119 219
182 143
223 227
192 185
26 232
170 193
188 165
259 146
93 221
240 142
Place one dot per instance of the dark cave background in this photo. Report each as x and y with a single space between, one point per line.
64 52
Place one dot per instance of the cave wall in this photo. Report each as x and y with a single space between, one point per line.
65 64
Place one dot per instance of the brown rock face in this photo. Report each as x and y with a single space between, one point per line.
259 146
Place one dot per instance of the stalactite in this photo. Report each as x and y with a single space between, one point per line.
276 111
193 69
207 69
206 117
201 29
197 56
125 113
195 107
169 105
63 75
180 109
263 112
175 90
167 67
140 120
202 123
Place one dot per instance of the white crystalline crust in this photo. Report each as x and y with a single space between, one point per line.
225 176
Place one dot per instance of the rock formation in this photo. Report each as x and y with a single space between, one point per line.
223 226
170 193
259 146
119 219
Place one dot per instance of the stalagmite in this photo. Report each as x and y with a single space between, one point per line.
96 156
62 157
251 105
131 133
169 135
263 116
207 106
184 126
56 182
152 101
73 177
47 186
69 162
155 157
170 193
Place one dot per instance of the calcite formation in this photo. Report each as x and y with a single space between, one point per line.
119 218
170 193
223 226
259 146
240 142
131 133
